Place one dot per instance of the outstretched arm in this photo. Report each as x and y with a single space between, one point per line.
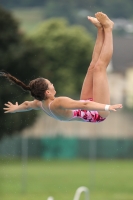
25 106
67 103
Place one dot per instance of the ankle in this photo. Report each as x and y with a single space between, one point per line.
108 28
100 29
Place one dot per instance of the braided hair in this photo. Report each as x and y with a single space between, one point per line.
36 87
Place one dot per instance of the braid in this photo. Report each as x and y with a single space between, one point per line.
14 80
37 87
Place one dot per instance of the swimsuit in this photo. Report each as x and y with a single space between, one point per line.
88 116
85 115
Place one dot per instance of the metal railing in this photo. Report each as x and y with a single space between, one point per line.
81 190
50 198
78 193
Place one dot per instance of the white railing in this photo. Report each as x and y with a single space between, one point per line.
50 198
78 193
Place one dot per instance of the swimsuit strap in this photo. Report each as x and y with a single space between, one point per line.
56 116
44 109
52 112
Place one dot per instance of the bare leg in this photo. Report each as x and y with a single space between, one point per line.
87 88
100 83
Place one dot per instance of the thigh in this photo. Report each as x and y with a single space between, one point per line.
87 87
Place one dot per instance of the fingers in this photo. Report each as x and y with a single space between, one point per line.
119 106
9 103
116 107
8 107
6 110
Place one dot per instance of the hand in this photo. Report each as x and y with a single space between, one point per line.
10 107
115 107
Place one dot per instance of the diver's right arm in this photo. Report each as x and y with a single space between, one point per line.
25 106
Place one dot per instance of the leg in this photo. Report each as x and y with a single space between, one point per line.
87 88
100 83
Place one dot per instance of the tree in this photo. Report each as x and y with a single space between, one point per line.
20 57
56 51
22 3
60 9
67 54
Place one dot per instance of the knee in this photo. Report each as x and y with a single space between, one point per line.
92 65
99 66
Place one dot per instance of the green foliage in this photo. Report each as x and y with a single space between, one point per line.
57 51
23 3
61 9
115 9
67 54
20 57
75 11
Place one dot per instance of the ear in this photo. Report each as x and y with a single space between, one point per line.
47 92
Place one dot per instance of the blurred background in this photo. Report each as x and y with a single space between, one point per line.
39 156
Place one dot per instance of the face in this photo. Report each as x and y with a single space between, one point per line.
51 89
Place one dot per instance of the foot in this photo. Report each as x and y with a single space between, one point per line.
94 21
104 20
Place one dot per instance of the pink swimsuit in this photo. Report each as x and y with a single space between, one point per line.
85 115
88 116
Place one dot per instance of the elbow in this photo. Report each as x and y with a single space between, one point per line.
85 106
26 105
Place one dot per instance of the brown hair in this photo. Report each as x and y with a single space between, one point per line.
36 87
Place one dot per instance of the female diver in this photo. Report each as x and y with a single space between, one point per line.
94 104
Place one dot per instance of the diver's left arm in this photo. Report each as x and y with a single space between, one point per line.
67 103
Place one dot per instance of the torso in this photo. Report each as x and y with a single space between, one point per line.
70 115
59 114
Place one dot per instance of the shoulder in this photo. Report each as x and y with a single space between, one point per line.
67 103
59 100
35 104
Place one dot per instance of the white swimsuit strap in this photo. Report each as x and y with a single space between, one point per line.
44 109
52 112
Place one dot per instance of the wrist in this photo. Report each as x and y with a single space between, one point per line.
107 107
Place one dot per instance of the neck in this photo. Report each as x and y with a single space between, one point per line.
49 99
